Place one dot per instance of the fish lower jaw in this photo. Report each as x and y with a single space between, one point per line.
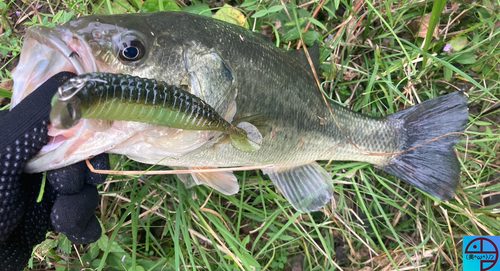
132 139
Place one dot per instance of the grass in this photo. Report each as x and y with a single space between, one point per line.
377 57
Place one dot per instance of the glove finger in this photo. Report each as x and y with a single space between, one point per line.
72 213
23 133
91 234
68 180
12 205
101 161
29 188
37 216
24 123
15 251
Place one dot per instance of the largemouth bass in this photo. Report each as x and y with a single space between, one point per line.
245 79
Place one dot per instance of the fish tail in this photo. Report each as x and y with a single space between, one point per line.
246 137
428 161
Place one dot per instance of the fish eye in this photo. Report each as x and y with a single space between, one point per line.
130 49
131 52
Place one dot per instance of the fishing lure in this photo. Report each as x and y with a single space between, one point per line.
122 97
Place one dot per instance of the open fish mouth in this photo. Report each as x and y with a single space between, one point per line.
46 52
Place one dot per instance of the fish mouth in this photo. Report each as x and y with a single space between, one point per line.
46 52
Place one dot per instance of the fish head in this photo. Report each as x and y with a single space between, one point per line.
99 43
127 44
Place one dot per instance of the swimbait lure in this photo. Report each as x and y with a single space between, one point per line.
108 96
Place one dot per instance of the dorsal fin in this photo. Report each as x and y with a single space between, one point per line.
262 36
301 57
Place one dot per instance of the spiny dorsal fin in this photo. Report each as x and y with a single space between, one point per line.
301 57
264 37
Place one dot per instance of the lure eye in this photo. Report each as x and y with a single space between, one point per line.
65 115
71 111
131 49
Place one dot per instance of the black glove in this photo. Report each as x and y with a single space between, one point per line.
70 195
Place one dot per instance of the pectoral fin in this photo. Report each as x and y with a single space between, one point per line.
224 182
308 188
248 140
263 123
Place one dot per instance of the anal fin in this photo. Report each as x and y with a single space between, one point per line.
224 182
308 187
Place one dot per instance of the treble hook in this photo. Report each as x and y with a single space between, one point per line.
75 83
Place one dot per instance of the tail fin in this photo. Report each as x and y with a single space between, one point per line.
433 167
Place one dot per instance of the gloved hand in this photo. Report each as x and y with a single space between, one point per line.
70 195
